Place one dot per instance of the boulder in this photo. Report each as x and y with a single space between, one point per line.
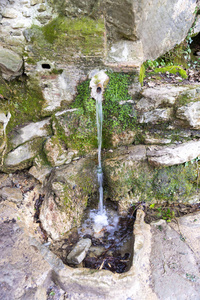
10 64
141 31
67 191
173 154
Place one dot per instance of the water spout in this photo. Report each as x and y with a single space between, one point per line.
98 82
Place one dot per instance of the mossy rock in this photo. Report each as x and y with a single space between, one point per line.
129 182
23 99
68 39
172 70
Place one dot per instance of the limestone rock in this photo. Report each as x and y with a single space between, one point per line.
59 88
196 28
22 156
190 114
124 138
126 53
34 2
156 116
173 154
30 132
140 22
56 153
13 194
10 63
77 255
67 192
10 13
4 119
151 139
119 167
159 95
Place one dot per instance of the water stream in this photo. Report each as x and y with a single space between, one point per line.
110 234
99 118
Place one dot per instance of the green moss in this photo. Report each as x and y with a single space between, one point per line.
58 5
174 182
64 37
172 70
81 124
23 99
117 118
142 74
141 182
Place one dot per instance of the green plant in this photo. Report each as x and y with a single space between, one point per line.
172 70
194 161
168 215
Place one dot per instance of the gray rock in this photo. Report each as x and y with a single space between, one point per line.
22 156
30 132
77 255
156 116
196 28
159 95
141 25
56 154
190 114
10 13
12 194
58 89
67 191
10 63
173 154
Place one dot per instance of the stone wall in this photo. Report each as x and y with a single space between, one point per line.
48 50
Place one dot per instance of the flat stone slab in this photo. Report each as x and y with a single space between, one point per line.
173 154
77 255
31 131
174 264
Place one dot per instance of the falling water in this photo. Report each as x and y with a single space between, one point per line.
98 82
99 116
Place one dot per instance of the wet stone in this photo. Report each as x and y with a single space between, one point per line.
77 255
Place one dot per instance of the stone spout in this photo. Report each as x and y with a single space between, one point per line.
99 80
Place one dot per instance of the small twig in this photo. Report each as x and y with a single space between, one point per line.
101 266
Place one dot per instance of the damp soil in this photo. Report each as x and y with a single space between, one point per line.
168 211
109 251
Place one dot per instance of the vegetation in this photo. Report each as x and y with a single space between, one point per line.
118 112
172 70
63 37
23 100
117 116
140 182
